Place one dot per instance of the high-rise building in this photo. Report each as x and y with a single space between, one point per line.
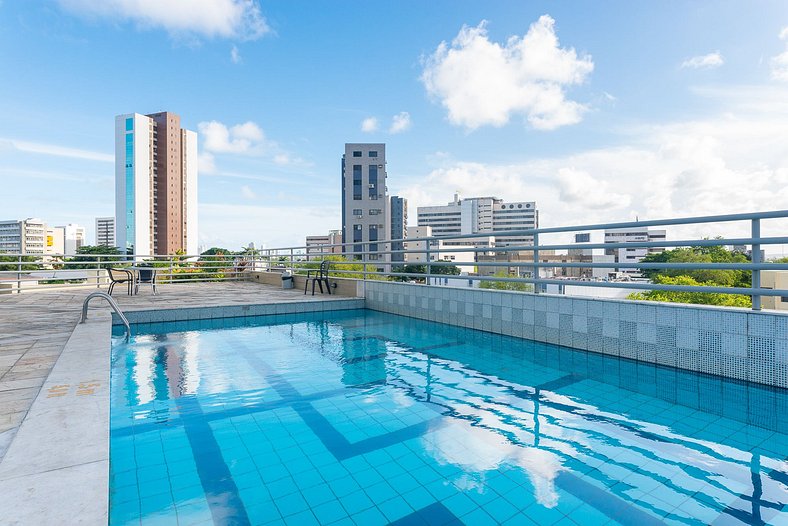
73 238
399 226
476 215
316 246
636 254
365 206
105 231
155 184
24 236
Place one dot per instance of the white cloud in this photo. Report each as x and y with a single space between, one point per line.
734 162
578 186
481 82
235 55
709 61
237 19
241 138
400 122
206 163
779 63
248 193
369 125
56 150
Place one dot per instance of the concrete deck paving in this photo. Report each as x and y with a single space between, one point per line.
35 326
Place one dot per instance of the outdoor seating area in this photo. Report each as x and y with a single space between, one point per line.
319 277
133 277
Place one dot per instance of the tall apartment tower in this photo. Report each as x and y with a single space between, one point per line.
73 238
155 184
399 226
105 231
365 207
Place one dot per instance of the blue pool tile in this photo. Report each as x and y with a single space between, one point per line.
369 517
291 504
304 518
356 502
329 512
395 508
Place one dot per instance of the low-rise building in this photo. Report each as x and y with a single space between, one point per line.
633 254
318 246
23 236
105 231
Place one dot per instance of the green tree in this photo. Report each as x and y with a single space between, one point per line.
438 270
88 256
348 268
505 285
703 298
715 254
12 262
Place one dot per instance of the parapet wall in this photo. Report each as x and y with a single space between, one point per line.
734 343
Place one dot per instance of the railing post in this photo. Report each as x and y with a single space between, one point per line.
19 275
292 263
756 259
98 272
364 259
535 272
429 260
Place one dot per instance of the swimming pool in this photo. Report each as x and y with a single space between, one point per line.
361 417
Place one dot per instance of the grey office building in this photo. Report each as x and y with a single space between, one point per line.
399 225
365 207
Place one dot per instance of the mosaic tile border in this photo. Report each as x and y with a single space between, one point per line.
733 343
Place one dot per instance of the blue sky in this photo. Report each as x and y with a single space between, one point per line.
598 111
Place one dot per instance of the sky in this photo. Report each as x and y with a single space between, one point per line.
598 111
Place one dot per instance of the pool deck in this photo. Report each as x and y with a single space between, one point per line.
35 327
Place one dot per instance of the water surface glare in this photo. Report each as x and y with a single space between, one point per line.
360 417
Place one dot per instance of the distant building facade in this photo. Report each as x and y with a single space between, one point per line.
482 214
155 184
56 240
634 254
316 246
73 238
23 236
365 208
105 231
399 226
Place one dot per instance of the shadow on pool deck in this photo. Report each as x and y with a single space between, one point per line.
35 326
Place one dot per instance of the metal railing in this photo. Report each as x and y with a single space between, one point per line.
541 265
52 272
536 263
112 304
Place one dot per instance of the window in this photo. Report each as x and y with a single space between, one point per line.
375 211
357 182
373 236
129 124
358 212
373 182
356 154
373 153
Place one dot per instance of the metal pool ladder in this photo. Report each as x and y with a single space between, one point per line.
99 294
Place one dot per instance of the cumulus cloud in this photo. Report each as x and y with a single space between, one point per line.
248 193
241 138
235 55
709 61
779 63
206 163
400 122
481 82
369 125
734 162
236 19
578 186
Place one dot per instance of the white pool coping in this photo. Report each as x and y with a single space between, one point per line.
56 470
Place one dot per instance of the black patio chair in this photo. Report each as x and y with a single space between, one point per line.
318 276
119 275
145 275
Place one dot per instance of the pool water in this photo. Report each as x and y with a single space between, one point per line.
360 417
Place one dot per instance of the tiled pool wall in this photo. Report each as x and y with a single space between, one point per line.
234 311
733 343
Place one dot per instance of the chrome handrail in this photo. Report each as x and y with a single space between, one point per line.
112 303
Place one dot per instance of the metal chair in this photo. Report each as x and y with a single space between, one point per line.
145 275
119 275
320 276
